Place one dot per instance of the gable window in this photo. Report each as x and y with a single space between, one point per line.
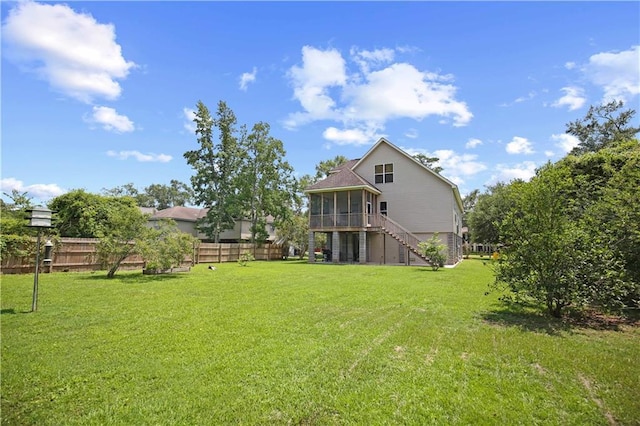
384 173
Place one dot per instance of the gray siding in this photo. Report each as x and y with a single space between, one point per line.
418 200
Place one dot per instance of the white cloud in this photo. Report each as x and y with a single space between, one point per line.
41 191
549 153
570 65
618 73
246 78
454 165
320 71
367 98
144 158
520 99
110 120
401 90
189 115
529 96
519 145
350 136
573 98
371 58
565 141
74 53
472 143
411 133
505 173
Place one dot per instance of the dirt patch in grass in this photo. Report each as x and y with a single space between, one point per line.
535 320
592 395
600 321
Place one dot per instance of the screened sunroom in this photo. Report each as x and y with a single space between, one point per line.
343 208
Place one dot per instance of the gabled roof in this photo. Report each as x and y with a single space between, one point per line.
453 186
343 178
346 165
189 214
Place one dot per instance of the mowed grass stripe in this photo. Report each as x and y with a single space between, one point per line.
288 342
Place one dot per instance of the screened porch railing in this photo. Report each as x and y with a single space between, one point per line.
344 220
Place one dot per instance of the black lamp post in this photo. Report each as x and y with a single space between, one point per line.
40 218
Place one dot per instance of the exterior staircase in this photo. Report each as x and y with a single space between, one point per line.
400 234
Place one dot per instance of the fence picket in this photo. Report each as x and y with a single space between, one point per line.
79 255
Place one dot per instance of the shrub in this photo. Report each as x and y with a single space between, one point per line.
166 247
435 251
245 258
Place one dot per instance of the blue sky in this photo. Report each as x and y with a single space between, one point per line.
100 94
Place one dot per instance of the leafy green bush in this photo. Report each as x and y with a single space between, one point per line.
435 251
245 258
166 246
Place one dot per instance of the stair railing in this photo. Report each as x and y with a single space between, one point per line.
395 229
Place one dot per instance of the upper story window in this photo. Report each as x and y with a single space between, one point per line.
384 173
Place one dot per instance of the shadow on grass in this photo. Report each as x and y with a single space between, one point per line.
525 318
134 277
426 269
8 311
533 318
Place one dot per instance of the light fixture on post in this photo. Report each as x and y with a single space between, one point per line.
48 247
40 218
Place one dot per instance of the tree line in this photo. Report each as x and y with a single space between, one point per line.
570 237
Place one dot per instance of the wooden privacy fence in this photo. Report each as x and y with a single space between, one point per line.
79 255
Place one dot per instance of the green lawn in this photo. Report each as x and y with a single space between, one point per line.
293 343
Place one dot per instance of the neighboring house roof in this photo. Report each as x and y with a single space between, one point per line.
188 214
342 178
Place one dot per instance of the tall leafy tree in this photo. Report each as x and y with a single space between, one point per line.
130 190
602 126
80 214
294 231
605 198
267 182
159 196
572 233
468 204
217 168
429 162
542 256
165 196
325 166
122 233
488 212
16 236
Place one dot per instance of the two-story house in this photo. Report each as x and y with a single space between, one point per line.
378 208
